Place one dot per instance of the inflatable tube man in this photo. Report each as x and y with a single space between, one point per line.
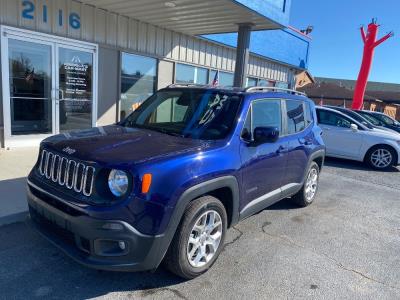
370 43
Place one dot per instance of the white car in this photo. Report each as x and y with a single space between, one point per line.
344 137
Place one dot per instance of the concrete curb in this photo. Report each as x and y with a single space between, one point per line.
14 218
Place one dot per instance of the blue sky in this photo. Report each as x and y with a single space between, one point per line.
336 48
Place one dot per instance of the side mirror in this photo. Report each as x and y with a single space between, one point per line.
264 135
354 127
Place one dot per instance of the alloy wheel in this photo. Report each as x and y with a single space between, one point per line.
381 158
311 184
204 239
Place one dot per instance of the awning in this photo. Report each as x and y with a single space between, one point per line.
193 17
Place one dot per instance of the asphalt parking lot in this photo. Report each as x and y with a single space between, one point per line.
345 246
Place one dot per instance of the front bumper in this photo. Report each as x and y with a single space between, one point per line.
95 243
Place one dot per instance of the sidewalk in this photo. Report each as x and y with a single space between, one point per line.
14 167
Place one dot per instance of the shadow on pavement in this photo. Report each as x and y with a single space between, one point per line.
13 204
30 267
353 165
285 204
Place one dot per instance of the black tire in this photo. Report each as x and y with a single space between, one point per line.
176 259
301 198
369 159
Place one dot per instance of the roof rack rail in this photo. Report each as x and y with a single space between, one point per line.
274 89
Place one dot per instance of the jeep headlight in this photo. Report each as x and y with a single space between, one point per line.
118 182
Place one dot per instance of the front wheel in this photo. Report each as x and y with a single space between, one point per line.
381 157
199 238
308 192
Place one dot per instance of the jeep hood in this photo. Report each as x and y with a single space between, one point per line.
116 144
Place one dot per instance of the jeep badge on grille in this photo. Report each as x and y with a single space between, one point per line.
69 150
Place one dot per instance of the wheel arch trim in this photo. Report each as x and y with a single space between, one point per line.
193 193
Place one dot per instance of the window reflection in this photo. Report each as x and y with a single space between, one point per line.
295 116
191 74
251 81
282 85
225 79
263 82
138 81
30 88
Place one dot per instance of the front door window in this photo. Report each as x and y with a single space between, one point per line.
30 87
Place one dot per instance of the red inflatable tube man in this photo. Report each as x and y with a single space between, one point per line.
370 43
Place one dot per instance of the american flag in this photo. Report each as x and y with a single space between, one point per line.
215 82
29 75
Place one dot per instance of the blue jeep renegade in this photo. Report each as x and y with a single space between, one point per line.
167 182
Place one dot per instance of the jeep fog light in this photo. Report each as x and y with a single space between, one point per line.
122 245
118 182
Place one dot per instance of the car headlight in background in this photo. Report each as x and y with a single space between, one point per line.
118 182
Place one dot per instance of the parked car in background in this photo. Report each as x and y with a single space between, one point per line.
345 137
168 181
382 119
371 124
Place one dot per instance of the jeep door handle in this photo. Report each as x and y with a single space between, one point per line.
305 142
281 150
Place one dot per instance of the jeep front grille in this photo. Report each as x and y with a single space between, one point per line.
67 172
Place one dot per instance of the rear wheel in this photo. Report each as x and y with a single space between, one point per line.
309 190
381 157
199 238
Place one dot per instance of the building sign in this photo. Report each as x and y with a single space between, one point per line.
30 11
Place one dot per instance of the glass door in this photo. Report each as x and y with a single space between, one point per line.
74 102
49 86
30 86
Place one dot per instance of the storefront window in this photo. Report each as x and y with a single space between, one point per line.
282 85
138 81
191 74
225 79
263 82
251 81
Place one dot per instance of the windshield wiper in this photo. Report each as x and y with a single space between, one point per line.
158 129
162 130
175 134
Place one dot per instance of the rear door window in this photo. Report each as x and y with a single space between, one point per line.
295 116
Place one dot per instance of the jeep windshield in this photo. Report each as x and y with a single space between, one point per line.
194 113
